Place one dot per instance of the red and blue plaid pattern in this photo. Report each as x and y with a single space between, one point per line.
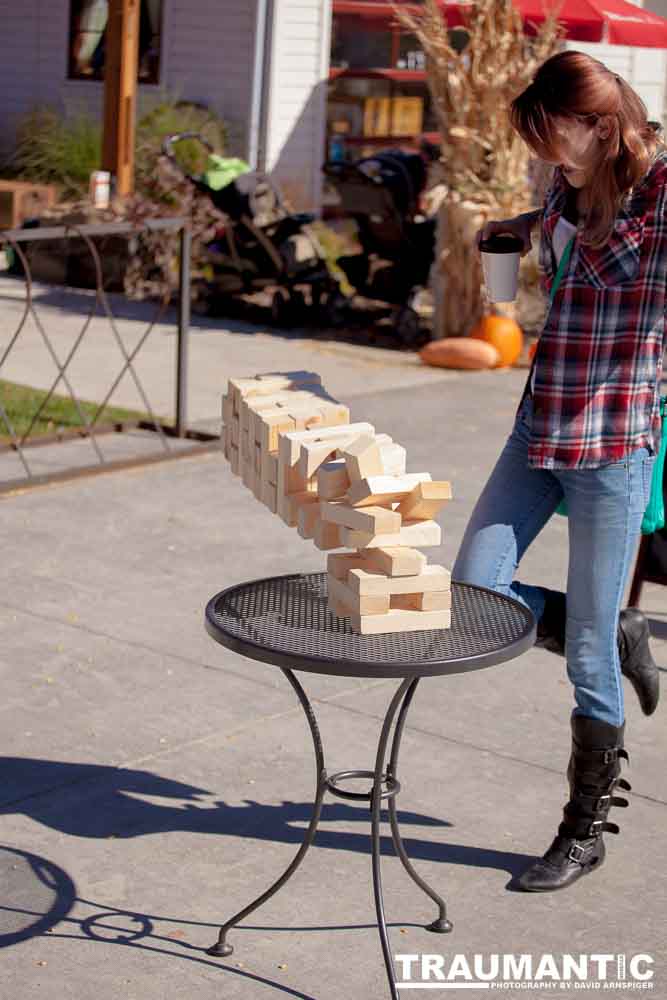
598 362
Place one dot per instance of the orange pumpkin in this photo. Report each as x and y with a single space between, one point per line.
504 334
459 352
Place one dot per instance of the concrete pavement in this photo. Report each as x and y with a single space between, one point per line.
155 782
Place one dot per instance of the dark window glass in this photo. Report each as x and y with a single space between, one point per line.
360 43
87 39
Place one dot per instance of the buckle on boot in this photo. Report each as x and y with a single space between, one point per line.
592 832
610 756
601 803
574 857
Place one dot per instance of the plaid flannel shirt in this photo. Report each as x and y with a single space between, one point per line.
598 362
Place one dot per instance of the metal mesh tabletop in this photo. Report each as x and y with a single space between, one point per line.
285 620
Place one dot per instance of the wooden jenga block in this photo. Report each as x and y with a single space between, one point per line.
266 385
400 620
431 579
225 440
313 454
416 534
270 467
290 479
425 500
268 495
327 536
357 603
363 458
234 460
307 519
296 501
383 489
235 432
338 608
434 600
394 458
372 520
340 563
394 561
227 410
332 479
274 422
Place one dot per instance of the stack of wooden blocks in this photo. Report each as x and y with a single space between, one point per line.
343 486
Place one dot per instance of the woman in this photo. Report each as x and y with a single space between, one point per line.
588 424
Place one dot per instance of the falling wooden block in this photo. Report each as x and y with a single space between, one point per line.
416 534
394 561
372 520
327 536
434 600
332 480
425 500
268 496
394 458
358 604
227 410
270 467
290 479
307 519
266 385
432 578
379 490
273 423
313 454
295 502
363 458
399 620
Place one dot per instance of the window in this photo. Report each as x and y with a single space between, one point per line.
87 36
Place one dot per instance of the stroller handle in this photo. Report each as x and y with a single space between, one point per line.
172 140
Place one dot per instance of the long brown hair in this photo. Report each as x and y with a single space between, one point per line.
573 85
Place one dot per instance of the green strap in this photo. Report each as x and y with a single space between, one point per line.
562 265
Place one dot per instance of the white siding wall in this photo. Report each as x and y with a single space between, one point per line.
644 69
207 55
295 112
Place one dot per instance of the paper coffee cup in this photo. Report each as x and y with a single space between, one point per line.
501 254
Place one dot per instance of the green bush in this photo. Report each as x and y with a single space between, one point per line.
166 117
56 149
64 149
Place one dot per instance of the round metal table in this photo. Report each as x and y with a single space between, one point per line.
285 621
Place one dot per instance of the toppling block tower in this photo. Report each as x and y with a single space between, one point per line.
345 487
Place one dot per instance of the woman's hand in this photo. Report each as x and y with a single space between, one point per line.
520 226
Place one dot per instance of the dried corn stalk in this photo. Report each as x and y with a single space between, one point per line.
484 164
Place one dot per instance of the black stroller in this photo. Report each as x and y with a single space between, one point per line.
381 194
261 245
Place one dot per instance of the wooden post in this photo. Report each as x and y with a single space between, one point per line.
120 92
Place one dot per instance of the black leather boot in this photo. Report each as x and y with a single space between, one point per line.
593 773
637 663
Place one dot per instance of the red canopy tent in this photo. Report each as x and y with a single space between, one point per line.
615 22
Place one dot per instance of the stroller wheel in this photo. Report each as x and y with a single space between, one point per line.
407 326
280 309
335 309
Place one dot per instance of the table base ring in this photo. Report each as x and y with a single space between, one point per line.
392 786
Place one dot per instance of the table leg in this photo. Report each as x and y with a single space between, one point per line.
376 803
221 948
441 925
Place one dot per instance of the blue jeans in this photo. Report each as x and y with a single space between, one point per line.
605 507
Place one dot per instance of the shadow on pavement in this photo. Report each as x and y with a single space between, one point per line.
100 801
